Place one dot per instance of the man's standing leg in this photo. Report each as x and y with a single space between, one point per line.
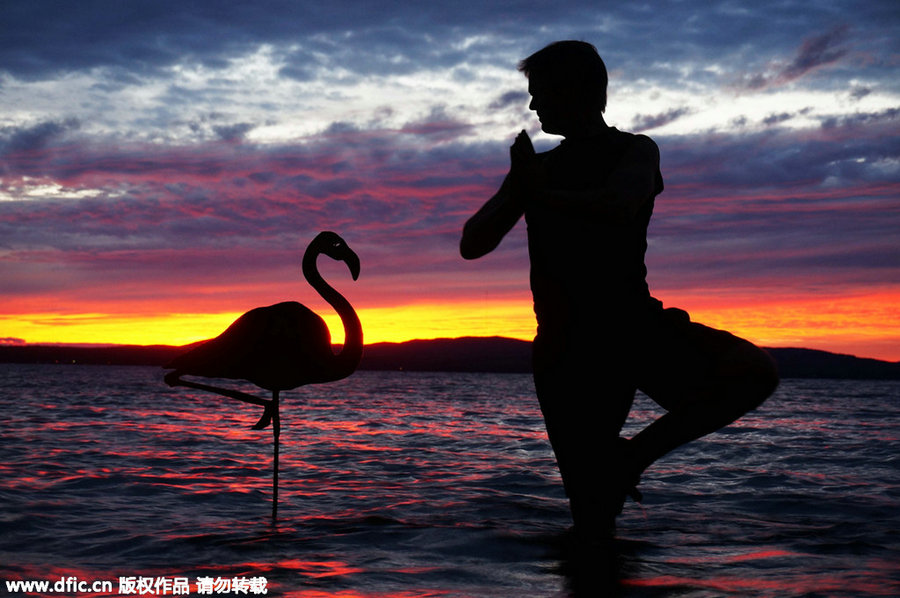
584 406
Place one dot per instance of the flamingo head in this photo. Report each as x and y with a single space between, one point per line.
332 245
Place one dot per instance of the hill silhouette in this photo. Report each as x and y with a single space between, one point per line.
467 354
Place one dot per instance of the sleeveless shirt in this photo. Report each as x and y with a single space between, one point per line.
584 269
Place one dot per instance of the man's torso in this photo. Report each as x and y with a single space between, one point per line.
586 271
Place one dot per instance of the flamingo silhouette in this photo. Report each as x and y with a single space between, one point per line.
280 347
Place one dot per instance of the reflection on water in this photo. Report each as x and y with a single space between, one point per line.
417 484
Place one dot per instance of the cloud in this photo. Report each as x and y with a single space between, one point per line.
781 117
222 197
774 119
859 92
146 37
437 126
34 137
234 132
815 52
644 122
510 98
886 117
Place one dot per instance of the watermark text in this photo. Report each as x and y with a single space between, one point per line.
142 586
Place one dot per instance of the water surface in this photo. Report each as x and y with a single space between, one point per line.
420 484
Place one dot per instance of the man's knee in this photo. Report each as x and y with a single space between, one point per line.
752 373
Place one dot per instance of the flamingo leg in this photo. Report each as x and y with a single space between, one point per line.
276 432
176 380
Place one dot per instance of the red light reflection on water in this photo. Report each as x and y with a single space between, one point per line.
762 554
794 583
821 584
733 558
311 569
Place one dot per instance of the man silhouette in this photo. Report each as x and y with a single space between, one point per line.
601 335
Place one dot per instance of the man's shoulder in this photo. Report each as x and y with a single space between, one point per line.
637 138
639 144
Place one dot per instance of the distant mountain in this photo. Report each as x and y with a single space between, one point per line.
498 354
809 363
467 354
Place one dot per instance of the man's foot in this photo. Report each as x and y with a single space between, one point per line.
595 509
595 523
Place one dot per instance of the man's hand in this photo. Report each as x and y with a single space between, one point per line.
521 149
526 170
487 227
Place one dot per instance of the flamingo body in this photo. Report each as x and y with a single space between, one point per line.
286 345
279 347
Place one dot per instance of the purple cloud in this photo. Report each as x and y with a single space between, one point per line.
815 52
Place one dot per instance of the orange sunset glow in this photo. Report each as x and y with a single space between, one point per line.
866 324
388 324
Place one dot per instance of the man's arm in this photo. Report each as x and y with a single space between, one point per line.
628 188
487 227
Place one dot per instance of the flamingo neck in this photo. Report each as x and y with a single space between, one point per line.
351 353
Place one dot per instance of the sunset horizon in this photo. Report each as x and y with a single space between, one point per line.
426 321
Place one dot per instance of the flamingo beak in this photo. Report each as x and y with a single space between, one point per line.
352 261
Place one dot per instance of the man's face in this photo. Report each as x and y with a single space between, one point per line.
554 112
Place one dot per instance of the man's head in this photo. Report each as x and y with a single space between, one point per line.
567 81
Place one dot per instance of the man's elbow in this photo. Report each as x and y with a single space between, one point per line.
471 246
469 250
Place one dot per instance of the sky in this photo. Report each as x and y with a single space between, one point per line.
164 164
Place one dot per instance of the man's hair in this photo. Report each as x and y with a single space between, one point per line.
571 67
